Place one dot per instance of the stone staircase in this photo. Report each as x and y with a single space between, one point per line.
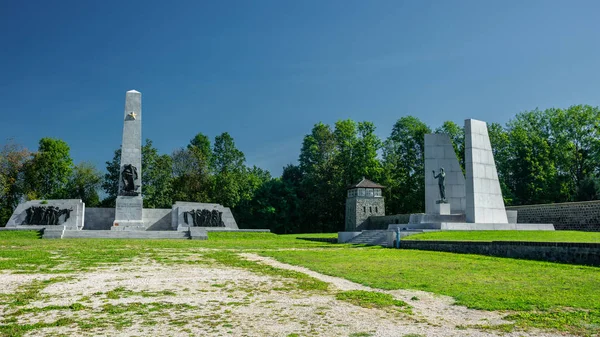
108 234
371 238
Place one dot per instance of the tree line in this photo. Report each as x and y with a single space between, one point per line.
541 156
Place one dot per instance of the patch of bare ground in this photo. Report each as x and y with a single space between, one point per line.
144 298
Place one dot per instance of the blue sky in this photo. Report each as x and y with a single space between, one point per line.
267 71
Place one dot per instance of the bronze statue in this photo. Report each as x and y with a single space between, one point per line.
128 177
203 218
441 177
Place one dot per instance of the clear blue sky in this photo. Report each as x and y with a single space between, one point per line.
267 71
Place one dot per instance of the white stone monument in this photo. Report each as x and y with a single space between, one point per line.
129 204
484 196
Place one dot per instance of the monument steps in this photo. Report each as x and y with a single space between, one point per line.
371 237
108 234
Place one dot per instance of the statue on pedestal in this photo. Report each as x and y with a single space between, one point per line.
441 177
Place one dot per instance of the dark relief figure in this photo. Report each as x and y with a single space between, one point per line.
129 177
204 218
441 177
46 215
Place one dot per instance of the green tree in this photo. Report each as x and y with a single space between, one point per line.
365 158
12 160
533 165
110 183
228 167
84 184
191 170
457 136
321 180
48 173
503 156
576 140
403 158
156 177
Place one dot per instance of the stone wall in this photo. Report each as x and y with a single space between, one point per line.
157 219
580 216
382 222
99 218
154 219
563 252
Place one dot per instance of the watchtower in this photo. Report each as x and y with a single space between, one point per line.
363 200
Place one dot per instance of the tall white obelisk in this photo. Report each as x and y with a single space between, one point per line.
129 204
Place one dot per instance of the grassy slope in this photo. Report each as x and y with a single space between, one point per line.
539 236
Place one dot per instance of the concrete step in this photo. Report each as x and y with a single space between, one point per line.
108 234
371 237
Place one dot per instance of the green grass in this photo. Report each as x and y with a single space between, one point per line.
479 282
538 236
545 295
369 299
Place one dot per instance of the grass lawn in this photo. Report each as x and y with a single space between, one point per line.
534 294
539 236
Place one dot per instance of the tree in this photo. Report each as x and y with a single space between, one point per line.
110 184
403 157
48 173
12 160
228 168
321 180
457 136
365 153
156 177
499 139
191 171
534 173
84 183
576 136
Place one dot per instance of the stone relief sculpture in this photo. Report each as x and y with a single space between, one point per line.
441 177
129 175
204 218
46 215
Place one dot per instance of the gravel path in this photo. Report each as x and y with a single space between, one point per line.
144 298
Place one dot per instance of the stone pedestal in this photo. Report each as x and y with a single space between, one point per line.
442 208
128 213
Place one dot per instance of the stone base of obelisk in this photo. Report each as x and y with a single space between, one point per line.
128 214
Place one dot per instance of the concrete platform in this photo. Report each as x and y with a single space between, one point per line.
465 226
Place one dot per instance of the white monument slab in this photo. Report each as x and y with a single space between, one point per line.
484 196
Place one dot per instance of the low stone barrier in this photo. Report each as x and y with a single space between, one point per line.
579 216
563 252
382 222
330 240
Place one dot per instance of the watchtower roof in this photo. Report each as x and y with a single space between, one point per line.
365 183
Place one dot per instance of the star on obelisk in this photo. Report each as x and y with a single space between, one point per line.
132 114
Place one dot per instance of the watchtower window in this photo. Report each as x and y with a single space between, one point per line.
361 192
364 209
376 211
377 192
369 192
370 209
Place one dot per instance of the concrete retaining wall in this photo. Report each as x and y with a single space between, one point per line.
155 219
382 222
564 252
580 216
98 218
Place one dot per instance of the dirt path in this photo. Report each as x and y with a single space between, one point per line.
144 298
